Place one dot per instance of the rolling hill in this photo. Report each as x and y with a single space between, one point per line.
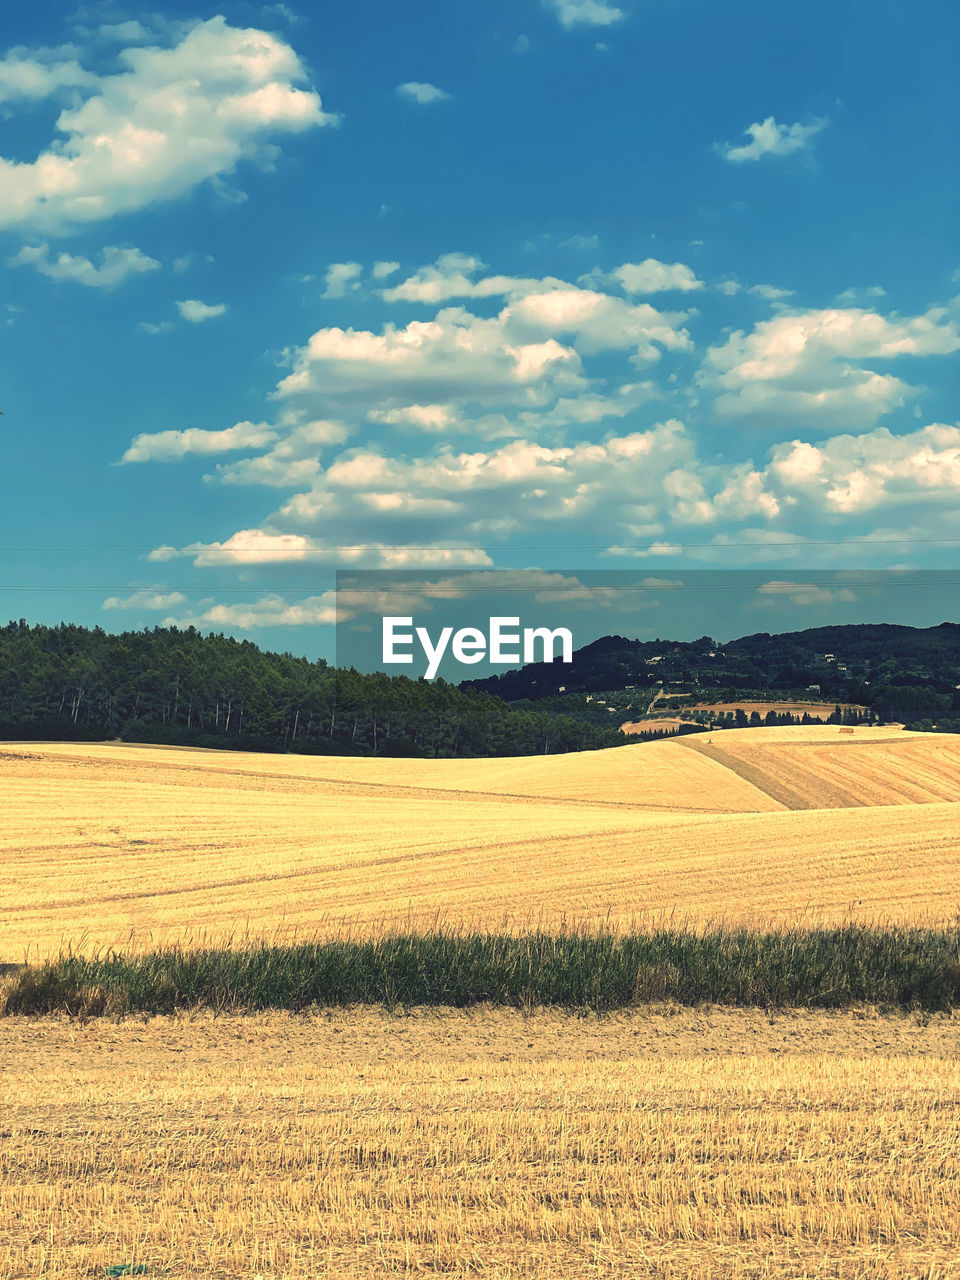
111 843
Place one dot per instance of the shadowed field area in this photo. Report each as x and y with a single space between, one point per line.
109 844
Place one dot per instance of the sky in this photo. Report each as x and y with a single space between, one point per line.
562 285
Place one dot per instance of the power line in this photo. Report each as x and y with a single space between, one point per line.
441 593
658 546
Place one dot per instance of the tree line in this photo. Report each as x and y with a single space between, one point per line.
171 685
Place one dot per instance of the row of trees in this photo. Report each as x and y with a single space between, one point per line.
178 686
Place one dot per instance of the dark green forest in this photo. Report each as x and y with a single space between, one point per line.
167 685
177 686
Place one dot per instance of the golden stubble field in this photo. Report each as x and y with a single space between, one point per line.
709 1144
352 1145
108 844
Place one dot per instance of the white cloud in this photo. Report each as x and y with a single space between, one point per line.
451 276
293 460
171 446
770 292
771 139
652 276
259 546
151 598
341 278
454 356
196 312
799 364
116 265
477 492
848 475
425 417
584 13
270 611
421 92
599 322
170 120
856 296
30 79
382 270
162 326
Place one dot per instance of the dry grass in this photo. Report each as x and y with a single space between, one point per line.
116 845
693 1145
817 771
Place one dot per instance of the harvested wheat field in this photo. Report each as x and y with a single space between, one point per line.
105 844
686 1145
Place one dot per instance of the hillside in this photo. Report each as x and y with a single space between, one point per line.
907 674
119 844
177 686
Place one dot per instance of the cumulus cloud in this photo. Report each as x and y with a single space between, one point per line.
584 13
266 546
768 138
116 265
421 92
857 296
26 78
652 276
171 119
521 481
597 321
454 356
294 459
383 270
342 278
801 365
196 312
171 446
848 475
428 441
268 611
151 598
452 276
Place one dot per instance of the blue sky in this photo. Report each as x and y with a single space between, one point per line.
556 283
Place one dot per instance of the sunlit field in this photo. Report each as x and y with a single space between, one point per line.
665 1136
668 1143
110 845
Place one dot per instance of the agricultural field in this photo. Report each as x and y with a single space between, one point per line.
108 845
670 1141
795 706
682 1144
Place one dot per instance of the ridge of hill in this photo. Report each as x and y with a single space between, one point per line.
129 844
900 673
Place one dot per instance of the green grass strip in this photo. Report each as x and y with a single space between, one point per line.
906 968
